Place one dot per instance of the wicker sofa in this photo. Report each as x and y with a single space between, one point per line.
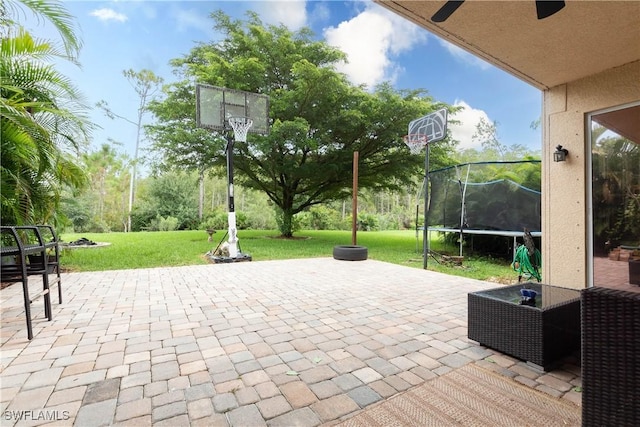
610 357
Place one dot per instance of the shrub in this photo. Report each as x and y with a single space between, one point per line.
215 221
367 222
163 224
168 224
220 221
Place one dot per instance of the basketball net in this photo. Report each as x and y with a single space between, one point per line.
415 142
240 127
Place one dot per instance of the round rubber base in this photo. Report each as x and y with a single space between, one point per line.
226 259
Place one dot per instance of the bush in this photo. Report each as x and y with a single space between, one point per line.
319 218
242 221
323 218
220 221
163 224
142 216
97 226
260 219
392 221
367 222
168 224
214 221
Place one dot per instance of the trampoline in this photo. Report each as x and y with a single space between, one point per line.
494 198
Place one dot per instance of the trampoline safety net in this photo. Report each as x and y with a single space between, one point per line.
501 196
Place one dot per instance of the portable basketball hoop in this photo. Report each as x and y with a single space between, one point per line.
222 110
422 133
240 126
415 142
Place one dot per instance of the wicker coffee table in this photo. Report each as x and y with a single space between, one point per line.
540 335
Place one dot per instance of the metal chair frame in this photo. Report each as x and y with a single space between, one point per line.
25 252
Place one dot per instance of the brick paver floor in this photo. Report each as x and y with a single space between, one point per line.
277 343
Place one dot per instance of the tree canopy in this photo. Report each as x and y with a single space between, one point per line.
318 118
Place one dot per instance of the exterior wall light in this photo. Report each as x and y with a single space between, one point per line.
560 155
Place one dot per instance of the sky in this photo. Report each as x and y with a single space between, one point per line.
381 46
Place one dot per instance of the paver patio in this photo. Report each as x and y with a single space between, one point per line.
278 343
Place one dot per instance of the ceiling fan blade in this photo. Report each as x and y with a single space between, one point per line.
445 11
548 8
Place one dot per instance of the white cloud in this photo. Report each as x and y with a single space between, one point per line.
464 56
469 118
106 14
292 14
371 40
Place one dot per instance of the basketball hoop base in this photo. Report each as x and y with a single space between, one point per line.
225 259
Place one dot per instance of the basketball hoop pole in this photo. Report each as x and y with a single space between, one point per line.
425 233
231 215
240 126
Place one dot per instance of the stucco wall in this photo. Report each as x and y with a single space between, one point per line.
564 185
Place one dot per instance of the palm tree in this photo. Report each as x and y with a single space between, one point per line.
42 122
52 11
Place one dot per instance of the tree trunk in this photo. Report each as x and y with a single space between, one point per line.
285 222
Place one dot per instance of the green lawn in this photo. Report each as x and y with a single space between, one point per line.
174 248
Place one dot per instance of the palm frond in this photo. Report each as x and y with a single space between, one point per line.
52 11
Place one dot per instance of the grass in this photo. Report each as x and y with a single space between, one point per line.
175 248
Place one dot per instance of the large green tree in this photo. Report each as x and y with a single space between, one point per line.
318 118
43 117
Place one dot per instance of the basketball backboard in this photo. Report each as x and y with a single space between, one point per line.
433 126
215 105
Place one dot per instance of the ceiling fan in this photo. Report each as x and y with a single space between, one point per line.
543 8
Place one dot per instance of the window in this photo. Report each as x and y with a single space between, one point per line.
615 196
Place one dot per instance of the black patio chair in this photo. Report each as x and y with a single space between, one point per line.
25 252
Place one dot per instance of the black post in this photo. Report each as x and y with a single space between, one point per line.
417 224
425 246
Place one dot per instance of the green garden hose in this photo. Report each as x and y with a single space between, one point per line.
526 266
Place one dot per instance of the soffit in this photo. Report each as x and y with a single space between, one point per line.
625 122
582 39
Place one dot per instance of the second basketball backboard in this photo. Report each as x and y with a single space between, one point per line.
433 126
